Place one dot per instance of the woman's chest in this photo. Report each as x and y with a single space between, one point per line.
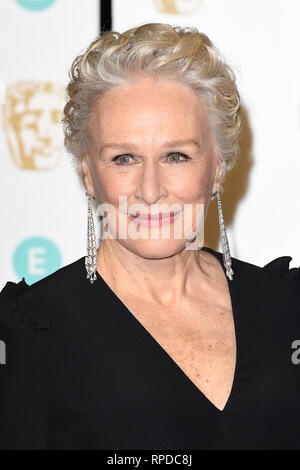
199 337
129 379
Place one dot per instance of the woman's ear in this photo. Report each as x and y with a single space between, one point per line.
86 173
217 182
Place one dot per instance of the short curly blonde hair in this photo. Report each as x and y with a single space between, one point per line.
177 53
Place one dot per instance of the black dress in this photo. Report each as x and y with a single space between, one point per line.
82 372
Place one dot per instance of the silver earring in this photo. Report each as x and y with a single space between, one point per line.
224 239
90 259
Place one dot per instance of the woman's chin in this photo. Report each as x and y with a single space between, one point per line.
154 248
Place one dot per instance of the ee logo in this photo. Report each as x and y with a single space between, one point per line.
35 5
36 258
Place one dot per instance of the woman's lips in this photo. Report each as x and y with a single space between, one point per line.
148 220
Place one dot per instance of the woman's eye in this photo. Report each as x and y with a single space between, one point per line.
175 157
122 159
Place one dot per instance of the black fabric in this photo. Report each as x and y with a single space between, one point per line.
82 372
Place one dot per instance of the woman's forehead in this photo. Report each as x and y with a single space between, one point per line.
167 95
172 116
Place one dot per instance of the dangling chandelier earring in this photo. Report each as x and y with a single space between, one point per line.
90 259
224 239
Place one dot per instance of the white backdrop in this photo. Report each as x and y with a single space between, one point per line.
260 39
43 209
43 206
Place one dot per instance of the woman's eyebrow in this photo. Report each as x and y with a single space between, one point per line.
174 143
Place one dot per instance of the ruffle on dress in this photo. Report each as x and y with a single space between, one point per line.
23 306
281 266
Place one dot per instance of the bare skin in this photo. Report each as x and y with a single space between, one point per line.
180 296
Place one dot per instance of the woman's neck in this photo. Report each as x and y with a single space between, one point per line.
164 281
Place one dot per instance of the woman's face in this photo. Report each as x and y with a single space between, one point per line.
134 154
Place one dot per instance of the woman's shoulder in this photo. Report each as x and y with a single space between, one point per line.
24 305
280 266
276 276
274 283
30 317
276 269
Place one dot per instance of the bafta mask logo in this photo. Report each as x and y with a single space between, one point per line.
32 114
177 7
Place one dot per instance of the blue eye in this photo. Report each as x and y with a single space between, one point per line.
178 161
120 159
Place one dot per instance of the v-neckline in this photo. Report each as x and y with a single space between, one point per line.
233 291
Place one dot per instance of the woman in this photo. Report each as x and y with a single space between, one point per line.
147 342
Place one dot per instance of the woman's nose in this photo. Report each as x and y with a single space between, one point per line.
151 187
